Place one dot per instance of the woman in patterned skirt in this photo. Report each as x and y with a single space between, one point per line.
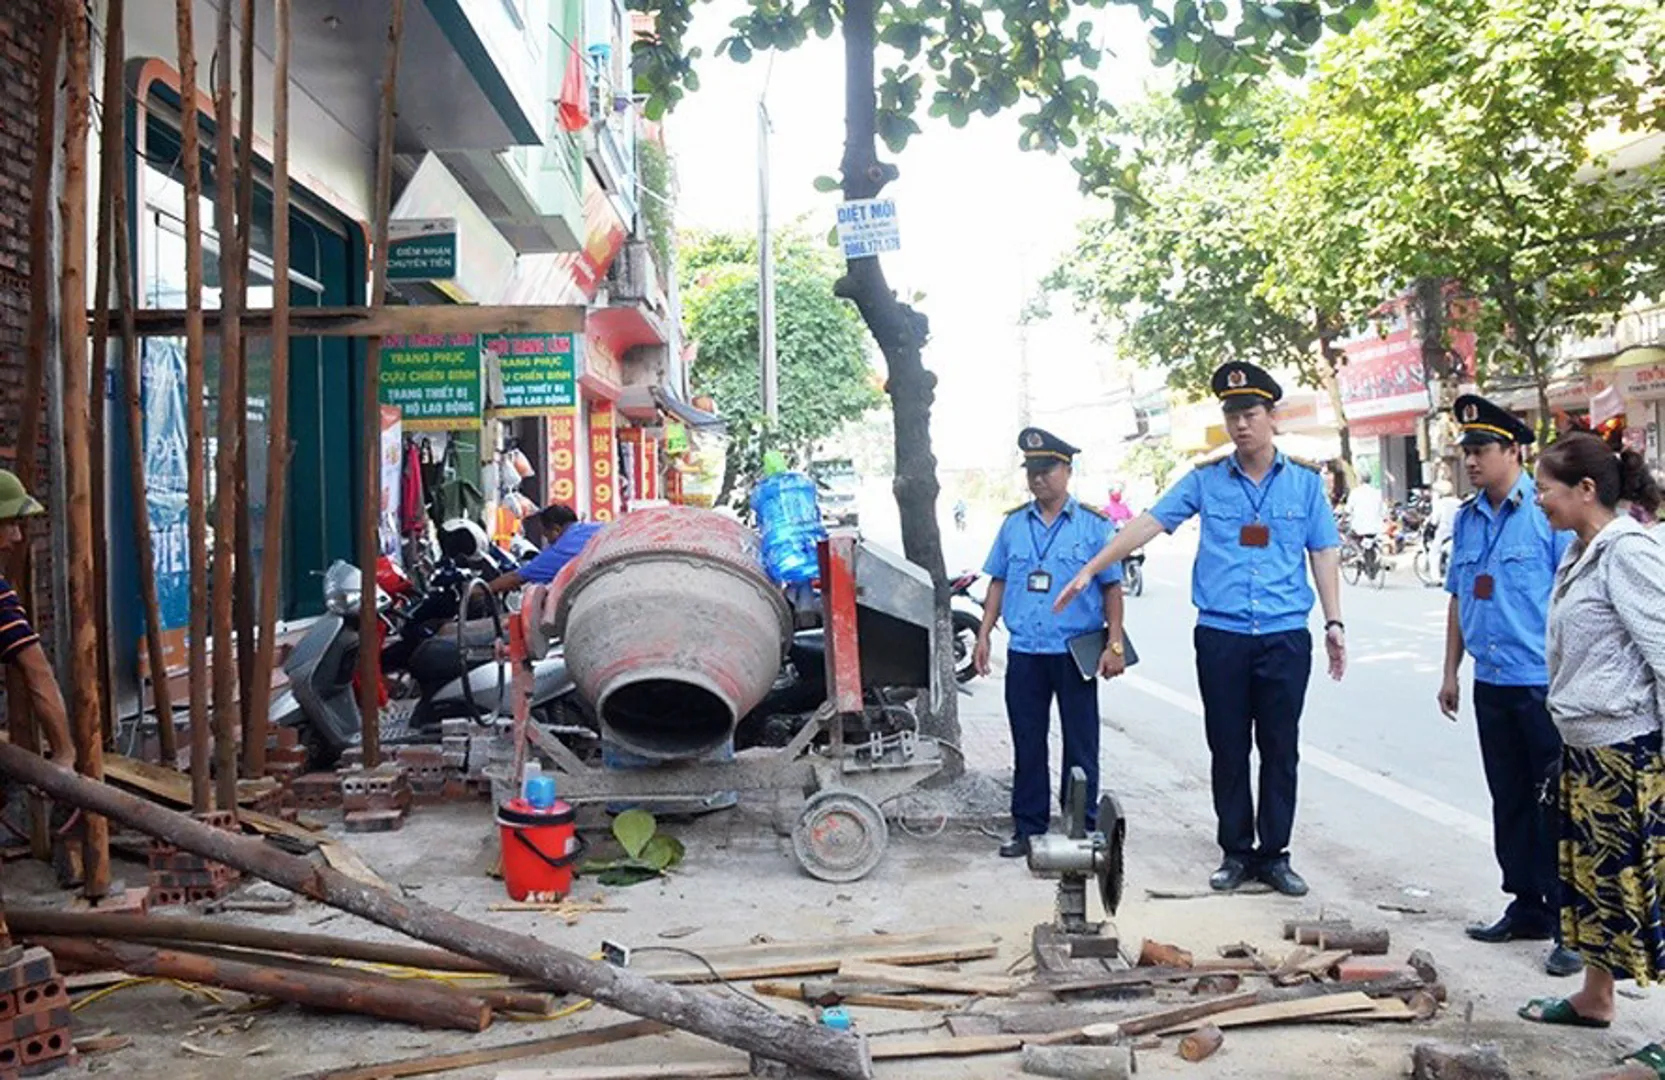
1607 687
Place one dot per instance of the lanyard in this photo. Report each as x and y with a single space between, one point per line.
1249 490
1052 532
1491 540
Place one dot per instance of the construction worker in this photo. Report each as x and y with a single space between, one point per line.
1264 516
19 644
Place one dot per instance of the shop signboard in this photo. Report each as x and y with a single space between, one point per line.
1642 383
868 227
393 460
563 456
434 379
538 372
422 249
604 488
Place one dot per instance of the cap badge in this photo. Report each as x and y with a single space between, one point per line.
1032 440
1237 379
1471 414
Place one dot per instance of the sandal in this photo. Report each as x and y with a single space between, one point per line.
1651 1055
1558 1011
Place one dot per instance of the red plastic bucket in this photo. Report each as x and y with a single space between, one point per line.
540 848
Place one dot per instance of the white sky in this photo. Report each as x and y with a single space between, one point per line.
981 221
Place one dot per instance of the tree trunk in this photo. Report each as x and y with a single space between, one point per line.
86 675
190 150
901 334
1331 360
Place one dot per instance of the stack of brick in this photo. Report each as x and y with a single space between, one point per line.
179 877
285 757
316 791
34 1015
428 771
376 800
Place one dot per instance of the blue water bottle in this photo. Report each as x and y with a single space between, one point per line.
789 520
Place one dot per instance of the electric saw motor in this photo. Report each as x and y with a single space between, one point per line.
1077 856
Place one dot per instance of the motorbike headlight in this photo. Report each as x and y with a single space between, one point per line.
341 601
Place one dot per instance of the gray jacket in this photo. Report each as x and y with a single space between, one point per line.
1607 637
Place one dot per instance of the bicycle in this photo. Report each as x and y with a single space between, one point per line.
1361 558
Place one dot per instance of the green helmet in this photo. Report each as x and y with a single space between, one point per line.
15 501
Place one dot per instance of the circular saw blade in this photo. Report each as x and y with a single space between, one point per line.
1111 872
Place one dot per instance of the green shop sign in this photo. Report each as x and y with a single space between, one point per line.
538 372
422 249
434 379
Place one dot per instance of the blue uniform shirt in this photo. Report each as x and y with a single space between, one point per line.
1025 545
1515 545
552 559
1242 589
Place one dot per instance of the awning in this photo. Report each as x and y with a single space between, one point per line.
698 419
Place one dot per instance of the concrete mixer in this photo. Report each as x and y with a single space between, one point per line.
673 632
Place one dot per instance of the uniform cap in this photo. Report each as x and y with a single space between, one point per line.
1042 449
1242 385
15 500
1481 422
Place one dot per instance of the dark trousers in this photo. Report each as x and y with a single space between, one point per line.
1253 687
1033 680
1521 751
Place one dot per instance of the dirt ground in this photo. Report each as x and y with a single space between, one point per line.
739 881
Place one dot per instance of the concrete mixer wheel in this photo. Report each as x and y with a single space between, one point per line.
840 836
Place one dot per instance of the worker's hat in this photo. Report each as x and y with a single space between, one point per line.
15 500
1242 385
1042 449
1481 422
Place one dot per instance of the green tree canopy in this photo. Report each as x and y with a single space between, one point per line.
826 377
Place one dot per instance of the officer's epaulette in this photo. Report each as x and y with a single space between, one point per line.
1470 498
1018 509
1305 464
1095 511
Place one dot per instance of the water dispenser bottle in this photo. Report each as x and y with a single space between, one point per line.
790 523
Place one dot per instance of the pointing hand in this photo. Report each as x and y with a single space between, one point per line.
1077 585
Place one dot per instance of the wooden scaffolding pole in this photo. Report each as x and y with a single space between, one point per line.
242 594
202 792
379 321
226 723
277 419
85 674
111 162
369 656
20 715
161 690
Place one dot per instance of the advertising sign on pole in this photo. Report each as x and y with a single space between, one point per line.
604 488
434 379
563 457
422 249
868 227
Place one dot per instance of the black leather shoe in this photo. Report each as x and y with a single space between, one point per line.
1509 929
1232 873
1015 848
1562 962
1281 877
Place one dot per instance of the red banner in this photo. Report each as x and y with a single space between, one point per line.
604 488
563 456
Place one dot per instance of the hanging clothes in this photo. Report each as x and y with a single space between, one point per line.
413 499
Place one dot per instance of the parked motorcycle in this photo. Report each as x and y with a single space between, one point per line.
1133 574
1431 561
801 689
966 618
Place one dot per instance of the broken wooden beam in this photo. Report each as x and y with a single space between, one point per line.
1160 954
1166 1019
1322 1007
402 1001
725 1018
1202 1043
917 978
1079 1062
1360 941
429 1064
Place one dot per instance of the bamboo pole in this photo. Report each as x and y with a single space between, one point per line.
85 673
430 1007
369 655
161 693
725 1018
202 792
277 418
20 714
226 724
242 595
111 164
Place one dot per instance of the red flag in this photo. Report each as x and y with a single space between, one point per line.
573 107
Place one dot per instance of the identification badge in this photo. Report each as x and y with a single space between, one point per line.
1256 535
1483 586
1040 581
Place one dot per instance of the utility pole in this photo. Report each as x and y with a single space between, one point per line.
765 274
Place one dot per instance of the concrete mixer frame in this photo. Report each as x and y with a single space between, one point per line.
841 833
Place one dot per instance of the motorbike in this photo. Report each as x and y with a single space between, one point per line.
799 692
1361 557
1133 574
966 619
439 663
1432 560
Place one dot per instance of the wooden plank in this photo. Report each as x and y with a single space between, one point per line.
656 1071
791 991
380 322
1318 1008
899 1049
919 978
1164 1019
782 959
438 1063
170 786
347 860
